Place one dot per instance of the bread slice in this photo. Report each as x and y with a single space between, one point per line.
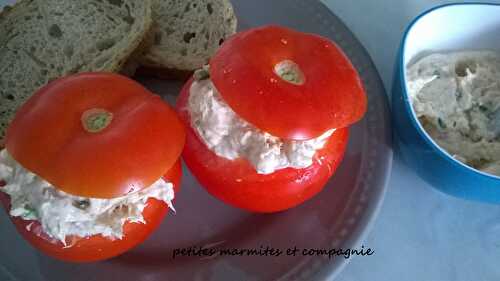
188 32
41 40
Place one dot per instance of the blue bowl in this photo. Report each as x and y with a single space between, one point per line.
445 28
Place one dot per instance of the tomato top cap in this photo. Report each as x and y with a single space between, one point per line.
98 135
290 84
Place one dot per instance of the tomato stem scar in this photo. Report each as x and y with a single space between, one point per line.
96 119
290 72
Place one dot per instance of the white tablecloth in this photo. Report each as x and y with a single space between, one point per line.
420 234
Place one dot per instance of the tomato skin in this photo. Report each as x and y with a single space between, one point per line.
142 142
97 247
237 183
332 95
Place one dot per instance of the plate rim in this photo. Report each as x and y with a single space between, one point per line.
326 270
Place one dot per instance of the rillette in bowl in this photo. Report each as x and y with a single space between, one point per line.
446 29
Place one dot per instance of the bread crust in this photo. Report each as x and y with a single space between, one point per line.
19 20
171 51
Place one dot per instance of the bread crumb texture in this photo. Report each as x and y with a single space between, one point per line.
43 40
187 33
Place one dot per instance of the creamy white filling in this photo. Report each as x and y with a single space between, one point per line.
61 214
231 137
456 97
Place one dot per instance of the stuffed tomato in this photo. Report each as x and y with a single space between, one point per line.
90 166
267 121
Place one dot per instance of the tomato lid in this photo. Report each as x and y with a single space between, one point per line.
98 135
290 84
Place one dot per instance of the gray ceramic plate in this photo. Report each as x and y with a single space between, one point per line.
337 218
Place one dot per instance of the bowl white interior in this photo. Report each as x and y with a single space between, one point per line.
455 27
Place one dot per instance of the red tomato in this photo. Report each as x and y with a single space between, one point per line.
97 135
97 247
237 183
326 92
